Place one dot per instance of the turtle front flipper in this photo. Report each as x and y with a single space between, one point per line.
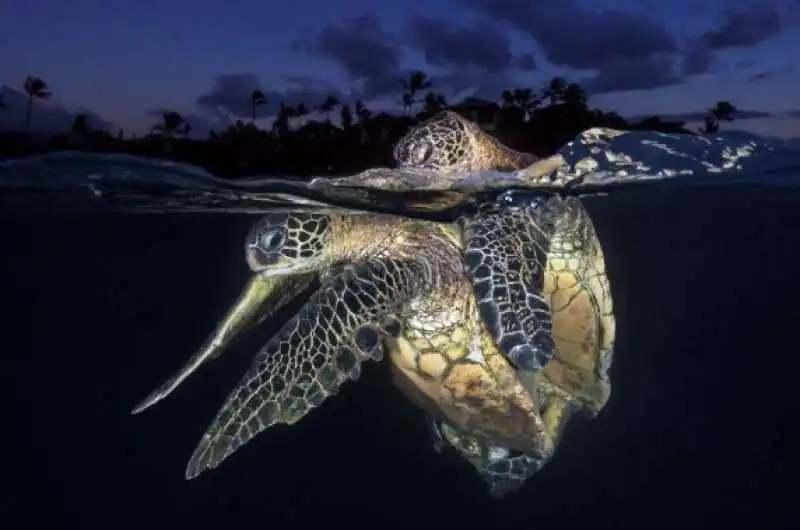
505 252
312 355
260 298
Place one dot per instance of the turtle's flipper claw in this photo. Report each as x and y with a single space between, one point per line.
208 455
210 349
154 397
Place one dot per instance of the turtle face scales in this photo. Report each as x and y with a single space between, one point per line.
283 244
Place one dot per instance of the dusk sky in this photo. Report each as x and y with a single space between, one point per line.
126 60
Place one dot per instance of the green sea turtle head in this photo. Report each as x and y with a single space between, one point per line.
442 142
293 243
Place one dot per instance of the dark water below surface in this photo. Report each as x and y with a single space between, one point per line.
100 309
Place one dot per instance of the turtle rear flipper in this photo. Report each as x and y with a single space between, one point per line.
509 474
311 356
260 298
505 252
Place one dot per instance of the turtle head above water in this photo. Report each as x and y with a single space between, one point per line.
280 244
442 142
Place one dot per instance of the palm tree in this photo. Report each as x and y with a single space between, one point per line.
281 123
172 124
407 101
257 98
416 83
346 116
36 88
554 91
300 112
522 99
80 125
574 96
362 112
722 111
434 103
327 107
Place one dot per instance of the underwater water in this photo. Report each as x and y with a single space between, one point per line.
102 305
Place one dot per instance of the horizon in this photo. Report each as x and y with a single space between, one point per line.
650 58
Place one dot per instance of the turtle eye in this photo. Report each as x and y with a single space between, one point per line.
422 152
273 240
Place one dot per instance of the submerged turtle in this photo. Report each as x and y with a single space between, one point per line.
489 231
442 355
383 273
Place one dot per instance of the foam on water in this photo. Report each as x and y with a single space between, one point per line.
90 182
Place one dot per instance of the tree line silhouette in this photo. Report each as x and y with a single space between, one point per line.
538 121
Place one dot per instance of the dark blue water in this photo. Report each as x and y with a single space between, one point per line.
102 306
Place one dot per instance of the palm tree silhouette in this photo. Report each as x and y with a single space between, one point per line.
362 112
281 123
407 101
554 91
300 112
346 117
416 83
721 111
574 96
172 124
80 125
36 88
524 100
434 103
327 107
257 98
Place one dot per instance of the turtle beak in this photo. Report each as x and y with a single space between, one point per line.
257 259
268 263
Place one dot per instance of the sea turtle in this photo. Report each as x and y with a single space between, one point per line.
588 165
415 149
382 271
442 355
437 153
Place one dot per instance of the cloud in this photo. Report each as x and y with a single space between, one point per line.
444 43
698 58
230 95
372 58
626 50
761 76
641 74
573 36
526 62
700 115
366 52
793 113
745 26
631 50
47 117
475 81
